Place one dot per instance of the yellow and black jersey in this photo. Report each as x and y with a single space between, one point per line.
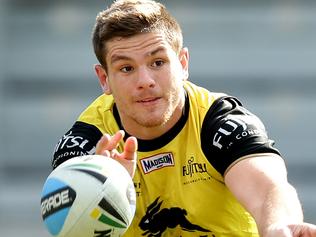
179 178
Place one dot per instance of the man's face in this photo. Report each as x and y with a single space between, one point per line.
145 77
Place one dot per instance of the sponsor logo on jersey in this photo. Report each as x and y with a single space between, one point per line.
248 133
70 141
72 154
195 172
192 168
241 126
225 130
158 220
137 186
57 200
157 162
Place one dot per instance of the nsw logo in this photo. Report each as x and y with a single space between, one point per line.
156 162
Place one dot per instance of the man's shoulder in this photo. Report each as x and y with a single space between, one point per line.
100 104
201 96
104 101
95 112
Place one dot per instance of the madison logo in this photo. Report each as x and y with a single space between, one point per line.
157 162
156 221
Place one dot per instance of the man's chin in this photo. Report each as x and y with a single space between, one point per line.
151 122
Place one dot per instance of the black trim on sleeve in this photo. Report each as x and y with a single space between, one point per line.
80 140
229 131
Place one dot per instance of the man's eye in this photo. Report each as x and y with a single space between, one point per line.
126 69
158 63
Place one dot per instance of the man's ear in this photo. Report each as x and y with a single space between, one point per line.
184 60
103 78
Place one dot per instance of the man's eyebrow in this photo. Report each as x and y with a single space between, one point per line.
117 57
158 50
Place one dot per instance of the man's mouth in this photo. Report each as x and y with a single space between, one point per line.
148 100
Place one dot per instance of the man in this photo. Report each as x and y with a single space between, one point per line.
201 163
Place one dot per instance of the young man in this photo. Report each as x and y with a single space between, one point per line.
201 163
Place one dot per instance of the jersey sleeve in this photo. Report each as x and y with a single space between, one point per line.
229 132
80 140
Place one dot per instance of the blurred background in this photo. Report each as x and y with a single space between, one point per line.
263 52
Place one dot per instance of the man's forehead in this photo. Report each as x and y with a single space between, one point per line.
146 46
137 40
122 56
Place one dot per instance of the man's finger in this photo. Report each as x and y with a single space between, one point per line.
102 144
108 143
114 140
304 229
130 148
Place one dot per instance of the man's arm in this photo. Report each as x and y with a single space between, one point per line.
260 183
80 140
236 144
86 139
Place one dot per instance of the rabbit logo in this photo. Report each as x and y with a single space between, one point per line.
156 221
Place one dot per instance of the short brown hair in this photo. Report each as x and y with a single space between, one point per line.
125 18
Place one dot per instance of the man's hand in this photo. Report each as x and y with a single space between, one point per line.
292 230
107 146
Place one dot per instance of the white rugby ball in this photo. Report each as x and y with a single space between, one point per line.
88 196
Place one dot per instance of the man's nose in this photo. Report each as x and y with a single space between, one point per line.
145 78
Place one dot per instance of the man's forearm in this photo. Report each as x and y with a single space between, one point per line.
280 207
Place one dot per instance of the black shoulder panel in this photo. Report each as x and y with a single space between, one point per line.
229 131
